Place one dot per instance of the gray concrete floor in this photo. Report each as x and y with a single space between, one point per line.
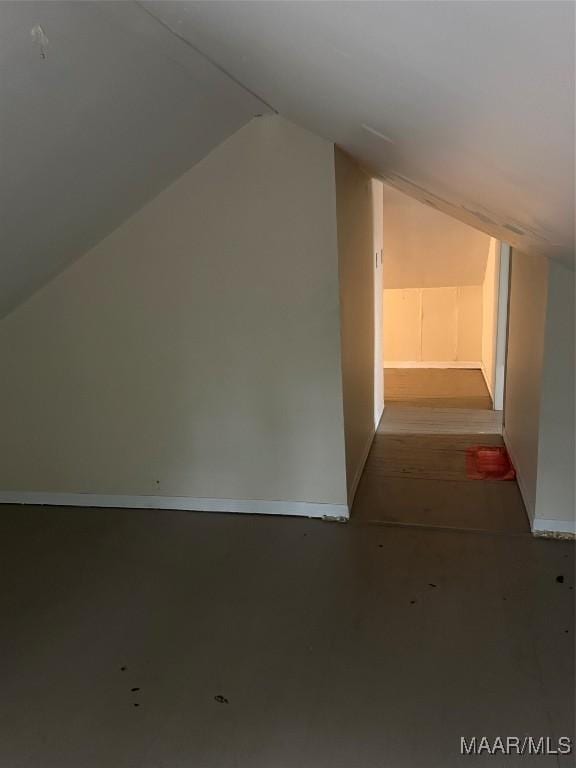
334 646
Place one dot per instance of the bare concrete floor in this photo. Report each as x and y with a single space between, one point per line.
332 646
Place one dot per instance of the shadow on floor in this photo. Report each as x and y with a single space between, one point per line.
422 480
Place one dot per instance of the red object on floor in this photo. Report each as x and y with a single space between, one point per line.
489 462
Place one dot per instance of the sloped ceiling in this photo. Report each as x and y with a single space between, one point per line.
101 108
468 106
424 248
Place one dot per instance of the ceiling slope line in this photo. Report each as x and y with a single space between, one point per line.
204 55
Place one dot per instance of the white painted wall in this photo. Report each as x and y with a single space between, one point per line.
355 250
117 110
378 263
555 503
192 358
427 249
525 359
490 292
502 326
433 325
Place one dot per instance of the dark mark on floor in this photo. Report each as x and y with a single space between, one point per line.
135 704
560 579
134 689
221 699
432 585
123 669
412 602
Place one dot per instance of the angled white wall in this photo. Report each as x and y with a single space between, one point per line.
425 248
116 110
192 358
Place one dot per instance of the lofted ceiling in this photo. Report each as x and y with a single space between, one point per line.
467 106
102 107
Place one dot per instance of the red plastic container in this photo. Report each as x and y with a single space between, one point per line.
489 462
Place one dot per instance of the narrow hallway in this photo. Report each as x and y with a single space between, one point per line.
421 479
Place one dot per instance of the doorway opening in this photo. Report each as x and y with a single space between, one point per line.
441 306
444 317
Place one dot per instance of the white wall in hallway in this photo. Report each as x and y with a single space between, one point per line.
490 291
355 253
555 503
539 405
195 352
433 325
378 265
525 360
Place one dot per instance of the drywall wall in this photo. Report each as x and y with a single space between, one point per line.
378 266
433 325
426 249
524 364
555 504
490 292
502 329
111 112
355 255
192 358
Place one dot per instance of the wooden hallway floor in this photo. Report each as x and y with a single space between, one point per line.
421 480
436 388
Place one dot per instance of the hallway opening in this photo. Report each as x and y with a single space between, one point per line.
444 310
441 307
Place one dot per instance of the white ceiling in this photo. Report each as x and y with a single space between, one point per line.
424 248
474 101
117 109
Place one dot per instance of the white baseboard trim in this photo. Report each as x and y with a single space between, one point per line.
431 364
360 469
256 507
542 525
538 525
519 479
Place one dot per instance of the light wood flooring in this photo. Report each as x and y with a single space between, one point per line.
398 419
436 388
